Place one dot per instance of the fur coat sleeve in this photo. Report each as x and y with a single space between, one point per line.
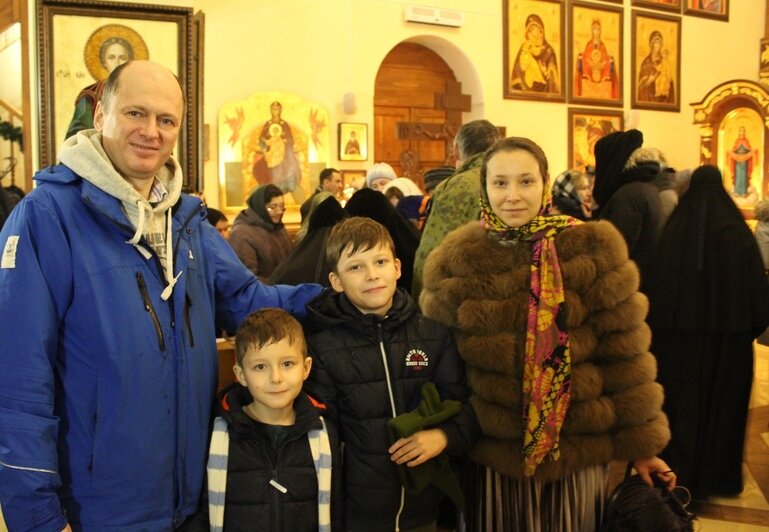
479 287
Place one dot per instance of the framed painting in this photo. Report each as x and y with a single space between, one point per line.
664 5
353 180
81 41
718 9
586 127
274 138
741 157
353 141
733 136
656 57
595 40
533 37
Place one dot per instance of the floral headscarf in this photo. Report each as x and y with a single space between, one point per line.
547 359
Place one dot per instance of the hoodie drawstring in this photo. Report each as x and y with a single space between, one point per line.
134 240
170 277
169 266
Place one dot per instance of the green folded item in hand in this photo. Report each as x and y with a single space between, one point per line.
436 471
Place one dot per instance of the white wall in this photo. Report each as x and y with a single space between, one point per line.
324 49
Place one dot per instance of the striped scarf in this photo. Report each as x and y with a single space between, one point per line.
217 474
547 358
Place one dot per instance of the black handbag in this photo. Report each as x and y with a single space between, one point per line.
636 506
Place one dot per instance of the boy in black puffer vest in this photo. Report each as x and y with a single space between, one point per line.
373 353
271 456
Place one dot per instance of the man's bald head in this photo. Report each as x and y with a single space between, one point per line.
138 68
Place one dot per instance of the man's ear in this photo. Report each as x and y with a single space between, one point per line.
98 116
336 284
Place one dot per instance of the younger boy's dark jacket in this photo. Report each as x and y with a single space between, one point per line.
252 503
348 375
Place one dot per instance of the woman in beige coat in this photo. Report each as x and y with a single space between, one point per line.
548 318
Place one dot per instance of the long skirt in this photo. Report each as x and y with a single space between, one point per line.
572 504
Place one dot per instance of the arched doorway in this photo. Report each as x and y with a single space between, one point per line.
406 83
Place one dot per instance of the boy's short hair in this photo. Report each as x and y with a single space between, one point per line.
265 327
359 232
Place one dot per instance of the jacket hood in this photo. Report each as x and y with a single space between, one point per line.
331 308
234 397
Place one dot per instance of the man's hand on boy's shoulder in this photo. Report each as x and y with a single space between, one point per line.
419 447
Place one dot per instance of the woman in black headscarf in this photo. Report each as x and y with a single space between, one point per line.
307 261
258 235
709 300
626 195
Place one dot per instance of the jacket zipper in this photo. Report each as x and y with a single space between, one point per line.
187 321
148 307
394 412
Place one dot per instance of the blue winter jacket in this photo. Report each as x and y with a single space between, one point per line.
106 389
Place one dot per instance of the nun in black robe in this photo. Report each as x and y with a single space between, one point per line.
307 261
709 300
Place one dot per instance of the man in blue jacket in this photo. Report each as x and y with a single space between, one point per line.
111 285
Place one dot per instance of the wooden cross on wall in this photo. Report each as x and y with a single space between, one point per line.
453 102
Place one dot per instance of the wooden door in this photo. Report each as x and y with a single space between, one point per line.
405 88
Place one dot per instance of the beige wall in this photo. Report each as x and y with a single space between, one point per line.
324 49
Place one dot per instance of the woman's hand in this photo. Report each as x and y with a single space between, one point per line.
648 466
419 447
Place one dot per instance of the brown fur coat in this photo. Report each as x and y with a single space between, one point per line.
479 287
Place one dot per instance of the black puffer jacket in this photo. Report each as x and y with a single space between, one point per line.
251 502
348 375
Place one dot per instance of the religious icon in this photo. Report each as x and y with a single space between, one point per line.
666 5
275 161
271 138
741 157
596 46
586 128
718 9
533 35
656 61
107 47
352 142
740 139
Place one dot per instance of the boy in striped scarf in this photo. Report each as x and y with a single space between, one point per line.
271 456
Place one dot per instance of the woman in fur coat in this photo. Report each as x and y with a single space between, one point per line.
548 318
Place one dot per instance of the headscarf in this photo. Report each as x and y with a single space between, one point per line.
547 358
257 202
566 197
611 154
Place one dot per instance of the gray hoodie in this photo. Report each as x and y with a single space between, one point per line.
85 155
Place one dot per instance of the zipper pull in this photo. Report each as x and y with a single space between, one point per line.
277 486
